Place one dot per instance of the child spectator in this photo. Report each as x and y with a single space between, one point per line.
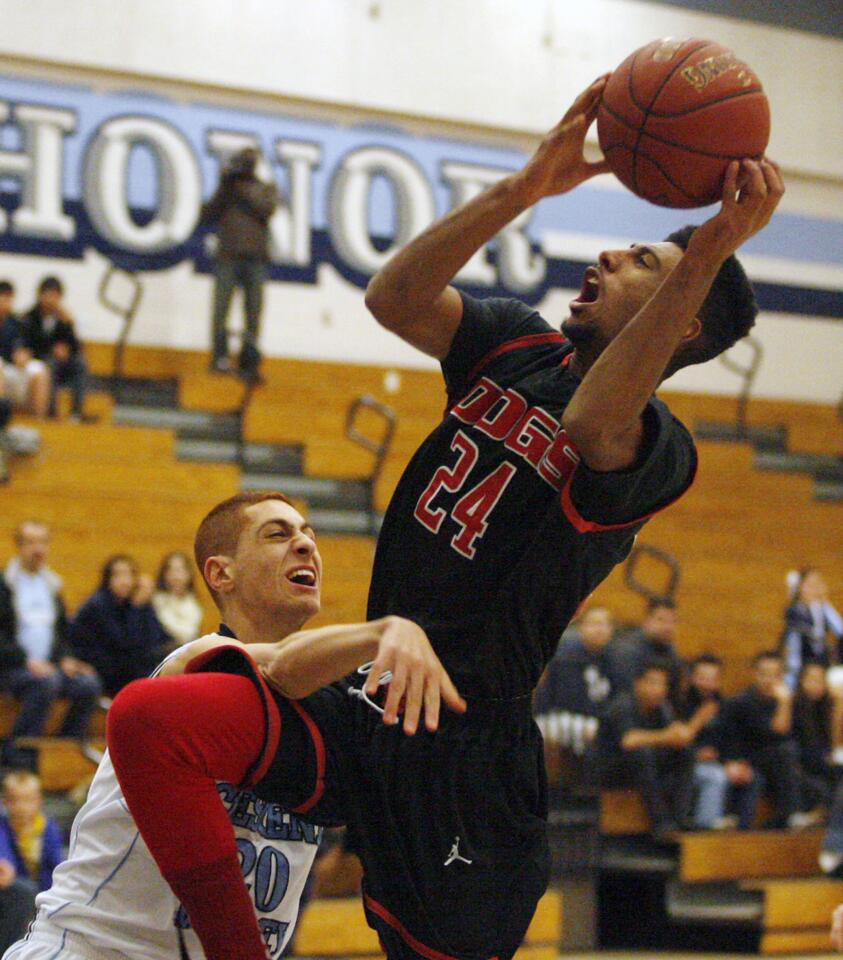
717 783
49 334
30 849
176 606
640 744
116 629
25 381
758 728
813 631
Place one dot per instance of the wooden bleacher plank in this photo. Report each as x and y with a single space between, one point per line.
546 926
714 856
800 904
796 941
335 928
622 812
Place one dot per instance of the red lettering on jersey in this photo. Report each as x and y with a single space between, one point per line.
500 418
532 435
451 478
475 404
471 512
559 462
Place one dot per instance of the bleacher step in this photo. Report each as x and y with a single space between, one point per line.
828 491
785 461
258 457
762 436
716 903
189 423
139 391
741 855
325 492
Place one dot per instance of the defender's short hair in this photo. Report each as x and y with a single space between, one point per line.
221 528
728 312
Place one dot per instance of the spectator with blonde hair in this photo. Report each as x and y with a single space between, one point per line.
813 629
176 605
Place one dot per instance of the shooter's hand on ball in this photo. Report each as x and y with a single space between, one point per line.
559 165
751 192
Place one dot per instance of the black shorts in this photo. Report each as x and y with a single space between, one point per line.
450 826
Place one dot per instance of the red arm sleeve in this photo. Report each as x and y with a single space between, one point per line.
170 739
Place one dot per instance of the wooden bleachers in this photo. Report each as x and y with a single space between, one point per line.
797 914
332 927
711 856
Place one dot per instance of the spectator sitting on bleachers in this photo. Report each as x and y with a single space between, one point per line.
721 787
25 380
49 334
116 629
758 729
653 640
575 686
813 712
176 605
810 623
31 848
641 745
36 664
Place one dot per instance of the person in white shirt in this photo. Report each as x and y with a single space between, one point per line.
175 602
109 900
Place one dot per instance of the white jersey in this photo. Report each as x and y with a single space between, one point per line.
110 894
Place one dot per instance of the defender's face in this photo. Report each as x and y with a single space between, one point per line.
277 566
615 289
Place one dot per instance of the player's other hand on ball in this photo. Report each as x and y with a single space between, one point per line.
752 190
837 928
559 164
418 677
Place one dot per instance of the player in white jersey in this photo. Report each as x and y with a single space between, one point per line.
109 899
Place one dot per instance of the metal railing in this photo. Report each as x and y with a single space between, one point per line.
666 560
126 311
378 446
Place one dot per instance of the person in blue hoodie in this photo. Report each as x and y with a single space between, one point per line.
31 847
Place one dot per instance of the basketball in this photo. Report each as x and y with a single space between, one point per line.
673 116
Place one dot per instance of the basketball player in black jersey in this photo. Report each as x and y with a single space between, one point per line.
553 453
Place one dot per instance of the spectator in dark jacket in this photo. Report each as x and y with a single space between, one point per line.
758 729
240 209
813 631
116 629
49 334
720 786
30 849
813 710
36 661
653 640
641 744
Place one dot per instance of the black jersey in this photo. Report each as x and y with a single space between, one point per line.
498 531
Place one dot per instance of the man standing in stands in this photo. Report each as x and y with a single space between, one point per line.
35 660
240 209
